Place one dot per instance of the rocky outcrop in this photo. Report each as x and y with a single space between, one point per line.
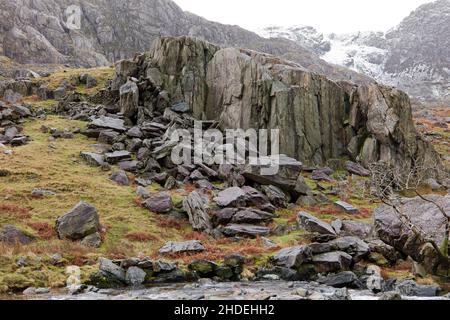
424 215
245 89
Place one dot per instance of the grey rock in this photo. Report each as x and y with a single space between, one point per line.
110 269
93 159
196 206
109 123
135 276
81 221
332 261
293 257
11 235
245 230
117 156
120 177
411 288
129 166
142 192
231 197
159 203
345 279
276 196
312 224
93 240
346 207
193 246
357 169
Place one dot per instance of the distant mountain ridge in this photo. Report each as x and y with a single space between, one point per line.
414 56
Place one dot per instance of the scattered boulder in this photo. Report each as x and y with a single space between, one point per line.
78 223
117 156
129 99
159 203
120 177
293 257
110 269
312 224
346 207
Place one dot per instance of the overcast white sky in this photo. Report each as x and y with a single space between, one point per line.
327 16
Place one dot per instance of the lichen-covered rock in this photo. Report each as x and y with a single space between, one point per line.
78 223
11 235
424 215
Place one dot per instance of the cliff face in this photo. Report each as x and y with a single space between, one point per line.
319 119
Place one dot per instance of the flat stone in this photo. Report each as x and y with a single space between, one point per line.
117 156
109 123
346 207
245 230
345 279
193 246
313 224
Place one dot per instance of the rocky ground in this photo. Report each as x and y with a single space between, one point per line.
88 197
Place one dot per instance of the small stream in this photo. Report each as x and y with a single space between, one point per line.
208 290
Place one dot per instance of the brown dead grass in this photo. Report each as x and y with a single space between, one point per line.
141 237
44 230
14 211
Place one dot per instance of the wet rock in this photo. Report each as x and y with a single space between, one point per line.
345 279
231 197
120 177
81 221
193 246
411 288
312 224
11 235
110 269
117 156
233 230
203 268
135 276
159 203
196 206
357 169
332 261
346 207
293 257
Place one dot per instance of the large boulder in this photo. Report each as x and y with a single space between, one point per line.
293 257
78 223
196 206
424 215
129 99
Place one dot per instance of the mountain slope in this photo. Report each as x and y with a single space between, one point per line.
36 32
414 56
